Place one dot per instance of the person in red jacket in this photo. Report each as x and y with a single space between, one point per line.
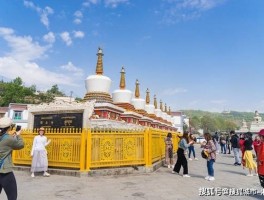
260 158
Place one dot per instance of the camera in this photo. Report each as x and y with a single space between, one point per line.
18 128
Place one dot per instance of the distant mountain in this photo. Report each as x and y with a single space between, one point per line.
231 115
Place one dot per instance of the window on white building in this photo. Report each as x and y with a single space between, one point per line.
17 115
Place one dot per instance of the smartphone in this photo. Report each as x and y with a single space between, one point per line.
18 128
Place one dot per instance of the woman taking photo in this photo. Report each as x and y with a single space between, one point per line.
182 161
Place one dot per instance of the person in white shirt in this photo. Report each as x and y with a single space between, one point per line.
39 154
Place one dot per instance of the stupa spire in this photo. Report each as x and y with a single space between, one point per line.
137 93
122 84
155 102
99 65
169 110
147 97
161 105
165 108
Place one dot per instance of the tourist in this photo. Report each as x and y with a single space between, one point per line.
223 144
8 143
210 148
216 141
182 161
242 148
191 147
169 150
235 145
260 158
228 144
39 154
256 144
248 156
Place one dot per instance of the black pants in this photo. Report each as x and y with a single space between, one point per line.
181 161
261 179
8 183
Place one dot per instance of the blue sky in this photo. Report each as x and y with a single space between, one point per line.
193 54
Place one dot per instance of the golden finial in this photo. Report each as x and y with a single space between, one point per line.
165 108
137 94
161 105
147 97
99 66
169 110
155 102
123 79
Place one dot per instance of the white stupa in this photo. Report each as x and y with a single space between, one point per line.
257 124
122 95
158 111
98 86
150 108
137 102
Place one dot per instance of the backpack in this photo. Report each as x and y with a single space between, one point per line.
204 154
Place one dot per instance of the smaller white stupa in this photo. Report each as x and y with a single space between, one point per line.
137 102
150 108
257 124
122 95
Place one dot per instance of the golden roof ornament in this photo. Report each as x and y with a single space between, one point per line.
137 94
122 84
99 65
161 105
147 97
155 102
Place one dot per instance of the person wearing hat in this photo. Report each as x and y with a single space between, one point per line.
260 158
8 143
39 154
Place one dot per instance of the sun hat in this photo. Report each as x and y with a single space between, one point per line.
5 122
261 132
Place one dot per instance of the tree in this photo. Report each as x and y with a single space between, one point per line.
208 124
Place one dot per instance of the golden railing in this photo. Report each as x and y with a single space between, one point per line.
87 149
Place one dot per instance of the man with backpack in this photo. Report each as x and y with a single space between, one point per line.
235 145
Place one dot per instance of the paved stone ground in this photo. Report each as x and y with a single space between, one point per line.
159 185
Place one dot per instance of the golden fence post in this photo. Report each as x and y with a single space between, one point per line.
89 150
83 150
148 153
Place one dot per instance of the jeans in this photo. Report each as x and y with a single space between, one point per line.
223 148
191 149
236 154
210 167
8 183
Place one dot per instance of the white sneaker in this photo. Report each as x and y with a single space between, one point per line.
32 175
186 176
195 158
207 178
190 159
211 178
169 166
249 175
46 174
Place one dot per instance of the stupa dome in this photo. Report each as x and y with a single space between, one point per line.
138 103
122 95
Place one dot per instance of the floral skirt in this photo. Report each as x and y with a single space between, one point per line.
39 161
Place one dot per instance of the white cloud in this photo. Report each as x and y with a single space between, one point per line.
49 37
87 3
182 10
114 3
78 34
44 13
23 48
171 92
65 36
72 69
20 61
78 14
77 21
